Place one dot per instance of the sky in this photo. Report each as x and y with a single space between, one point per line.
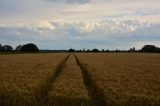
78 24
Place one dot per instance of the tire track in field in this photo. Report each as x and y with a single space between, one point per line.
69 89
42 101
97 97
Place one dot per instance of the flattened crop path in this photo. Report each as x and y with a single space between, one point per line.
70 86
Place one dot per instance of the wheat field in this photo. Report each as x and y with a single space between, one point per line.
69 87
80 79
125 79
24 77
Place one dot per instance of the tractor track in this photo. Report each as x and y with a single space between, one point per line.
42 100
96 96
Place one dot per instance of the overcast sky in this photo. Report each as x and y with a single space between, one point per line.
63 24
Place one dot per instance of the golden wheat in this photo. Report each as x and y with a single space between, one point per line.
125 79
24 77
69 88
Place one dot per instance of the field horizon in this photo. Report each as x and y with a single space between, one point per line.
80 53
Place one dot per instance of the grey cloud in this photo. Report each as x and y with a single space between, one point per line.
100 34
71 1
14 34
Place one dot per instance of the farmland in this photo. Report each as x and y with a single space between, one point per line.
124 79
80 79
69 86
24 78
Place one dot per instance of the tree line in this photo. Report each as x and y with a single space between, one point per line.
145 48
30 47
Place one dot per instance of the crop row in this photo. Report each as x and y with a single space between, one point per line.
123 79
69 88
24 78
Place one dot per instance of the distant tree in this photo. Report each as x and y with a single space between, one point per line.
117 50
18 48
103 50
29 48
77 50
0 47
84 49
132 49
95 50
71 50
88 50
7 48
150 48
107 50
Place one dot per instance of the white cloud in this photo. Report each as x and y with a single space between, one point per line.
140 44
115 23
118 32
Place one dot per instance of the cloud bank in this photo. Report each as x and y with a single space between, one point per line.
70 1
108 34
61 24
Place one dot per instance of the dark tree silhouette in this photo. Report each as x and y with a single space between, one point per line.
107 50
0 47
88 50
84 50
71 50
150 49
29 48
18 48
132 49
95 50
7 48
102 50
117 50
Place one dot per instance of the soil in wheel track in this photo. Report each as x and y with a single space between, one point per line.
42 101
69 88
96 96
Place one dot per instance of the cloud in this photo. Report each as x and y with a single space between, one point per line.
70 1
33 10
140 44
80 23
108 34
